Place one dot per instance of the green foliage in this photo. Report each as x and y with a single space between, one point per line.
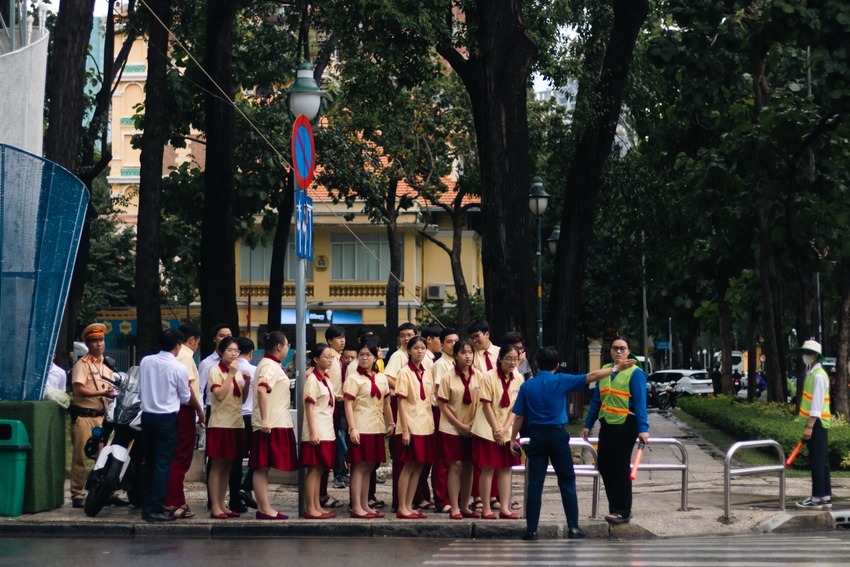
112 261
758 420
438 314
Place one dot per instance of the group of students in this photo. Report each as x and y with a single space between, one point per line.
443 403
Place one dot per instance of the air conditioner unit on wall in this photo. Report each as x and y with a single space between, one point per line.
435 292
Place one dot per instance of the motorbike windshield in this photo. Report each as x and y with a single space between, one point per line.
129 402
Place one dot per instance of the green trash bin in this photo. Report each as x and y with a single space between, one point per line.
14 444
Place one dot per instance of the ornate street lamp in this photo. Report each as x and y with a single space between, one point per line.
304 96
538 199
553 239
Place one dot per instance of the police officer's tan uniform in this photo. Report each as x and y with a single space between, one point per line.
87 411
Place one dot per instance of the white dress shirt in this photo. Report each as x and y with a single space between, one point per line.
248 404
163 383
204 368
56 378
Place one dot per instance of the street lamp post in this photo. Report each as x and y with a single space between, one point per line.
304 98
538 199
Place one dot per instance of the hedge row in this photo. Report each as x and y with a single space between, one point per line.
758 420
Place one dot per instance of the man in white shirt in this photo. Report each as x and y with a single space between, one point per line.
486 353
57 378
163 386
219 332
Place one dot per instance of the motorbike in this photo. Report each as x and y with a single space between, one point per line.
667 398
118 465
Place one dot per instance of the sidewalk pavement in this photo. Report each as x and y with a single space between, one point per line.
656 508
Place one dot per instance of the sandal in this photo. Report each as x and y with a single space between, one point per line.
516 505
617 519
445 509
495 504
182 512
377 504
478 505
427 505
329 501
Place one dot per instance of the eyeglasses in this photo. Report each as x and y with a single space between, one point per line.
520 349
476 337
232 350
365 354
619 348
511 360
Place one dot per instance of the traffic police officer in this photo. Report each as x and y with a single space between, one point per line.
91 398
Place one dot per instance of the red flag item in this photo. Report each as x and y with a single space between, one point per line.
638 457
794 454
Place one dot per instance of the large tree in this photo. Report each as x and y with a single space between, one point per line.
598 107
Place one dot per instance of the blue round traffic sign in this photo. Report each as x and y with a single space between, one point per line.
303 152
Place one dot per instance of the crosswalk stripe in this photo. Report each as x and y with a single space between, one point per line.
578 562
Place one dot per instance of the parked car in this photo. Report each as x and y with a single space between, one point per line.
692 382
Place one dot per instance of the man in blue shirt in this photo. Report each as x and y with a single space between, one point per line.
542 406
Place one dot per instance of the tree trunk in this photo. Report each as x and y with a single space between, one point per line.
148 313
842 376
752 347
461 291
725 336
496 78
770 286
65 83
395 263
217 272
280 248
595 137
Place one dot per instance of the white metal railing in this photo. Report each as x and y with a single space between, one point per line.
729 472
590 470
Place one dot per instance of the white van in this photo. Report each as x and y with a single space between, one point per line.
737 361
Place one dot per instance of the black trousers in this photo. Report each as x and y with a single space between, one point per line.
235 481
550 442
819 461
615 452
159 431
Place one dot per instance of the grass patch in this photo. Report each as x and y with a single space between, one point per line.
741 420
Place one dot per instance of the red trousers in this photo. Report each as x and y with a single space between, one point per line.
174 495
439 471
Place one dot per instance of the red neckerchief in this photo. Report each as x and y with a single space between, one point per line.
226 370
487 360
271 357
419 373
467 395
506 385
343 369
323 379
375 392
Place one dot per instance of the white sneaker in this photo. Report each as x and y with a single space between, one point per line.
812 503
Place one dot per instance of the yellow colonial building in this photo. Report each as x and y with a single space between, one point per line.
346 281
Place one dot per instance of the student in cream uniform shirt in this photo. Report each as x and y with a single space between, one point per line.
440 470
219 332
486 353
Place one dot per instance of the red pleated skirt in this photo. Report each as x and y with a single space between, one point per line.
321 455
276 449
455 447
422 449
227 443
486 453
370 450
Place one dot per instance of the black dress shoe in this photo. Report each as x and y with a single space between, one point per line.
576 533
530 536
156 517
77 503
115 501
248 499
238 506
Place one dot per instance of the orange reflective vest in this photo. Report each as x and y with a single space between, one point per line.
614 395
808 392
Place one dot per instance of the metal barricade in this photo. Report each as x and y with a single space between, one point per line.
593 472
682 465
729 472
580 470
